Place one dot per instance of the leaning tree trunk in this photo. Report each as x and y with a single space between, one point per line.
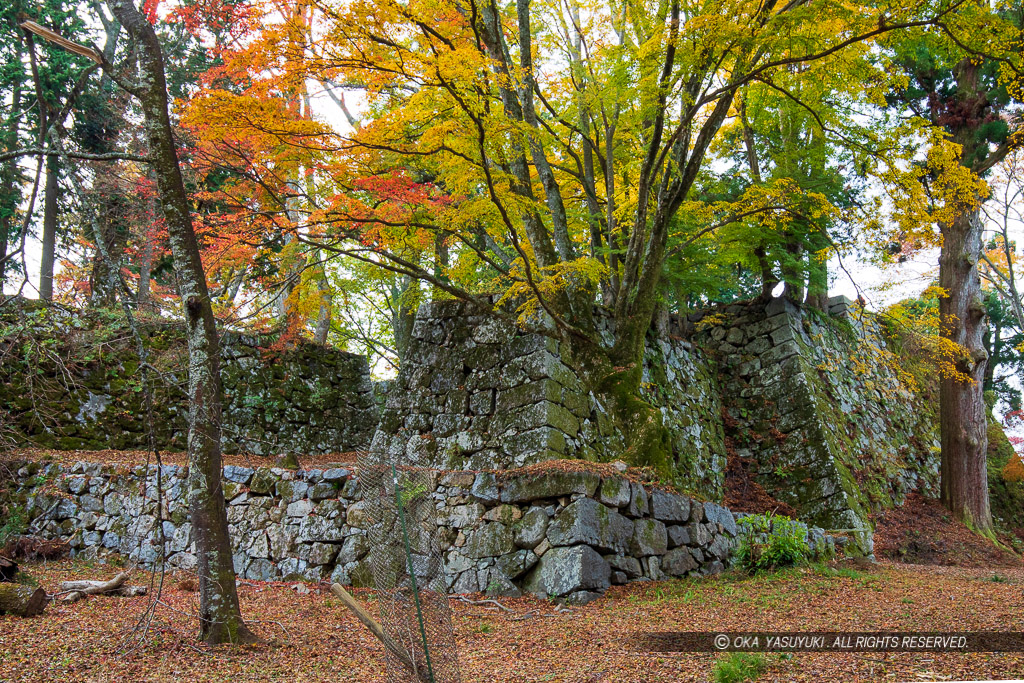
962 404
219 614
23 601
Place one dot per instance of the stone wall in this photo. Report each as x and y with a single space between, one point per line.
813 408
476 393
816 411
72 382
556 533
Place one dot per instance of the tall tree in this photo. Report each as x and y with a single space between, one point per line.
219 614
957 83
54 72
565 184
14 87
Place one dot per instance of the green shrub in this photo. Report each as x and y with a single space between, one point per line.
770 542
14 525
737 667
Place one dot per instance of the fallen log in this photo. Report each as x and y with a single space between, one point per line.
95 587
369 622
76 590
122 592
23 601
8 569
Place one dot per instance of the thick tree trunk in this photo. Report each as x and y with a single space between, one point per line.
49 230
768 279
793 271
219 614
817 273
23 601
962 404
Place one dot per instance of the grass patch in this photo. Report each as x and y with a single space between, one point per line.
842 572
737 667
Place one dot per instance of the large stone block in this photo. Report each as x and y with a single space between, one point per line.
316 528
615 491
639 501
722 516
517 563
587 521
669 507
678 562
566 570
649 538
460 516
529 531
552 484
491 540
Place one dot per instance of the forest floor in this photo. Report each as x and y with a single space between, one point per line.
933 575
309 636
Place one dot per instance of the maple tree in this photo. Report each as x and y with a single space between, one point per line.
219 615
555 148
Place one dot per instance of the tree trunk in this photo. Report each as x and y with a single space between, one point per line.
793 270
768 279
219 614
323 316
9 191
403 315
21 600
817 273
962 403
110 226
49 230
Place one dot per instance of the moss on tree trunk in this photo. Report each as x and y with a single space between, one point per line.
219 614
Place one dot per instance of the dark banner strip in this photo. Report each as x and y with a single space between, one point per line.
806 641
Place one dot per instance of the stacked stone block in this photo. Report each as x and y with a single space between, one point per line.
816 414
566 535
477 393
308 399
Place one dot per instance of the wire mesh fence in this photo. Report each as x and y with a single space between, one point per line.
408 571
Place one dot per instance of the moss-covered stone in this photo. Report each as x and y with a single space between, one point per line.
269 407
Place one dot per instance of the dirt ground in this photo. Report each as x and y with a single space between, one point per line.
924 532
309 636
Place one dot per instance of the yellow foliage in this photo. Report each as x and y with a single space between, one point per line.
709 321
919 326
